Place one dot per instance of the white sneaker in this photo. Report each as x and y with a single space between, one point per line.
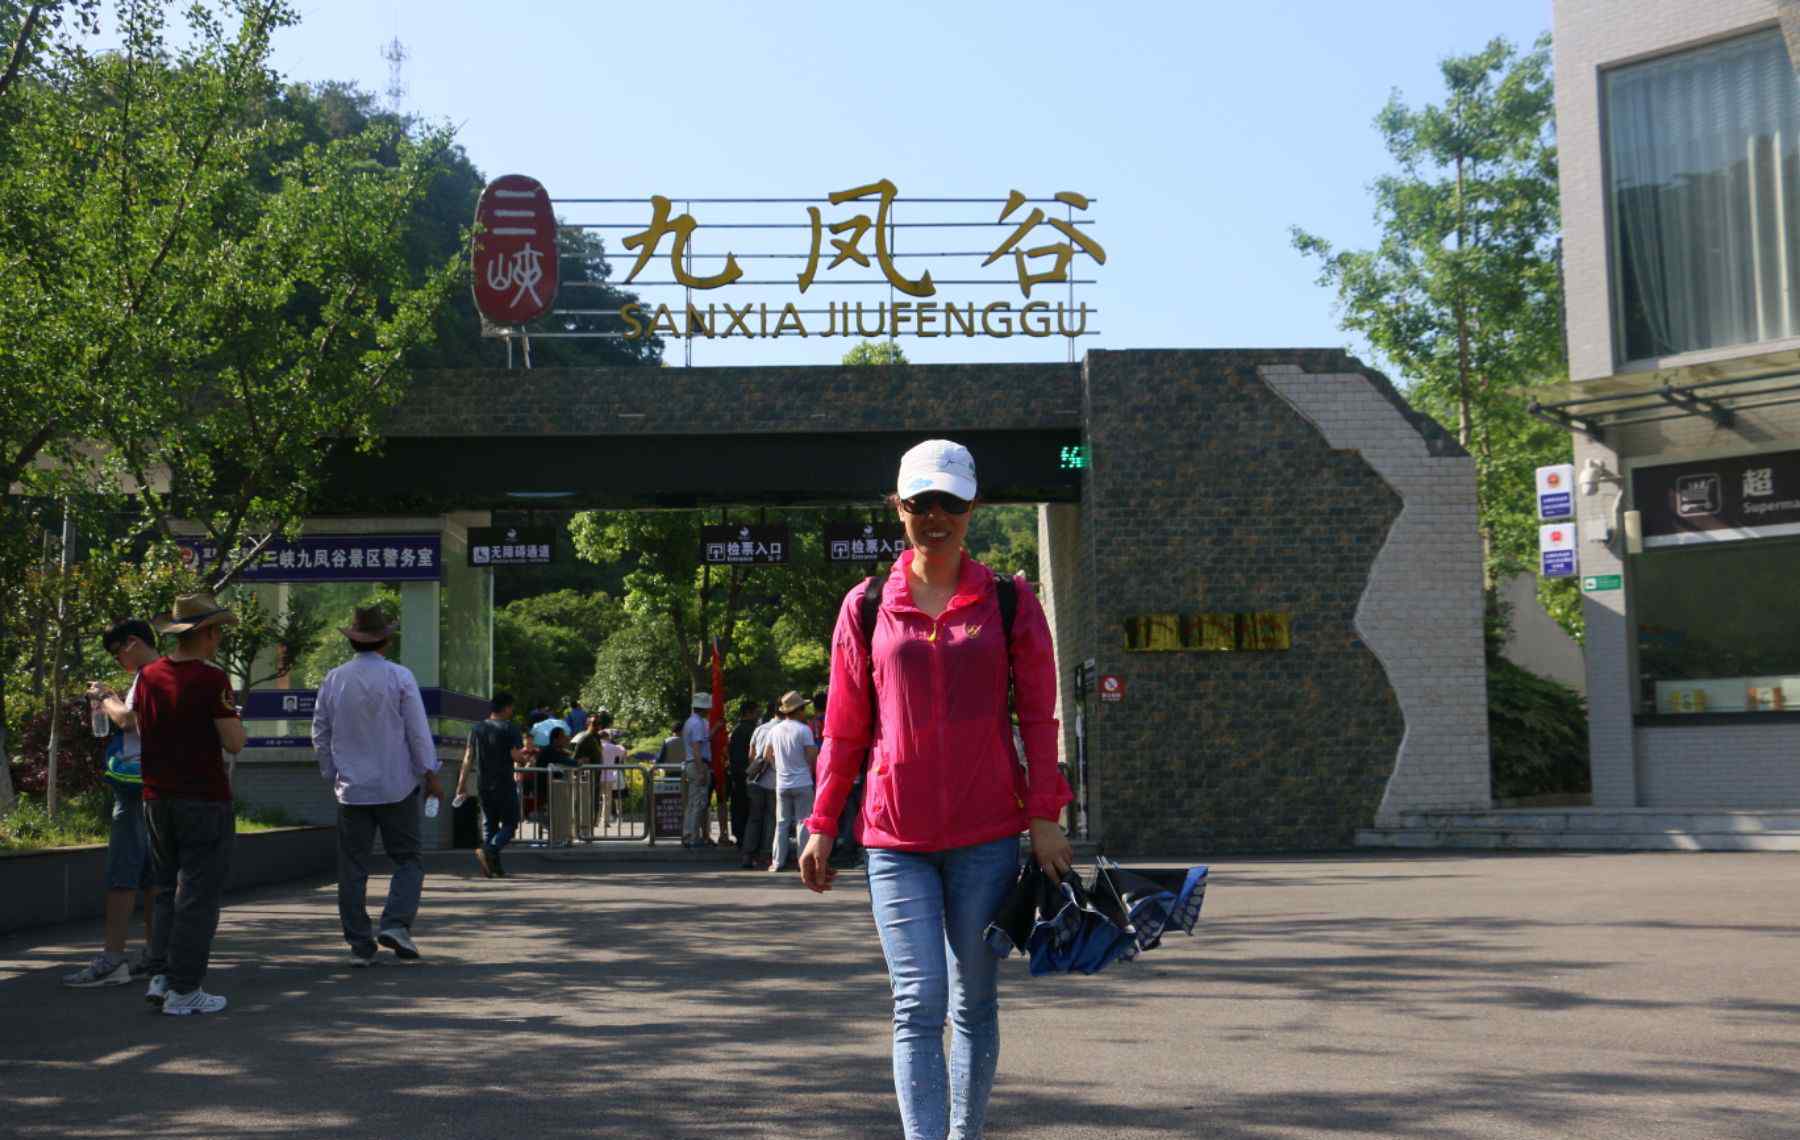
159 989
198 1001
102 971
362 963
399 941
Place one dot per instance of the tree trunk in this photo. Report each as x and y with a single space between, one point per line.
56 661
7 795
1463 428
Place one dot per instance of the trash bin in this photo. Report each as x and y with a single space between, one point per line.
465 824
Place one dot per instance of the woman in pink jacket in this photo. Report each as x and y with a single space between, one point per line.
945 796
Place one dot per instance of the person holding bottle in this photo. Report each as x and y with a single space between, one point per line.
374 745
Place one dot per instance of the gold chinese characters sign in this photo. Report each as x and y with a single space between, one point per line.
1216 633
1039 257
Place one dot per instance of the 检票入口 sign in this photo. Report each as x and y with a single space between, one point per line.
864 542
512 546
514 256
745 544
1719 500
331 558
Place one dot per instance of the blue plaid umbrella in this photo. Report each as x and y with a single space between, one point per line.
1068 927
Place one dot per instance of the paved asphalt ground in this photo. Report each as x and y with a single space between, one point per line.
1629 996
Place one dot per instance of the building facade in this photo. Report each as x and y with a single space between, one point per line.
1678 123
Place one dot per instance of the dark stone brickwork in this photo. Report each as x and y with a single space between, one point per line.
1206 491
722 401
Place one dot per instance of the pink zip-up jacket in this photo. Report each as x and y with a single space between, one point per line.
943 772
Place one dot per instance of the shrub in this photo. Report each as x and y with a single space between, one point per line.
79 760
1538 731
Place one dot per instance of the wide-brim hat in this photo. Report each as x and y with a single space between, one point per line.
369 626
194 611
937 465
790 701
702 701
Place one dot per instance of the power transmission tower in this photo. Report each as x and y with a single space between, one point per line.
395 53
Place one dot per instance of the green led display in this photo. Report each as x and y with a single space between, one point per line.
1073 458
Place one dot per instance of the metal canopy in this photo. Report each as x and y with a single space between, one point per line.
1717 400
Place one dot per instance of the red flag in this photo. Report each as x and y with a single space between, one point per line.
715 717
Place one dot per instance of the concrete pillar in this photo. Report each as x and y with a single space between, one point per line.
1611 648
1059 578
419 629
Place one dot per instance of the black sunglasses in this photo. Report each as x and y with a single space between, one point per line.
922 504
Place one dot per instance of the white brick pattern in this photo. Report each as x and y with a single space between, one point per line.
1421 613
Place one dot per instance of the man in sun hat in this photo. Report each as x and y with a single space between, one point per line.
374 744
696 774
187 719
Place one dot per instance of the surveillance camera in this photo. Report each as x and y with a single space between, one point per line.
1593 473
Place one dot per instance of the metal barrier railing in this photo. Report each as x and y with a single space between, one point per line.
566 804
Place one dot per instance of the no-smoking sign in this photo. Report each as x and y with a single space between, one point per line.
1112 688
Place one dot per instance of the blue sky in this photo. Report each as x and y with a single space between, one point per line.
1204 130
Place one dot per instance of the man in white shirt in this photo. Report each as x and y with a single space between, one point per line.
794 751
696 775
374 745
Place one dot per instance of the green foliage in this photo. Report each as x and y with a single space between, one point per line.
875 352
1538 730
86 819
1463 293
544 646
1004 538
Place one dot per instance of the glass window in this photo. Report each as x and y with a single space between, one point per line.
1704 187
1719 627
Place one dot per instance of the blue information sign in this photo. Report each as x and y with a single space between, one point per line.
1559 563
1556 505
333 558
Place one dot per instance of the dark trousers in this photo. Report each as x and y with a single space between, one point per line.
500 816
740 805
759 828
848 848
190 855
398 824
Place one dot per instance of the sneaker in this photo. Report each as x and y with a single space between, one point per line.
399 941
194 1001
486 861
361 961
102 971
140 964
159 989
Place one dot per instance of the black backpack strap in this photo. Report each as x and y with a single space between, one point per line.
866 610
1007 591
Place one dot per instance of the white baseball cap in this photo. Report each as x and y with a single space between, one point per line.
937 465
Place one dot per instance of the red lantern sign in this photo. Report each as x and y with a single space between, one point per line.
514 256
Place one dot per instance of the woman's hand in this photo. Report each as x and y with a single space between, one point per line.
1050 847
816 870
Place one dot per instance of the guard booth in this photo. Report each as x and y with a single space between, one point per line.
417 566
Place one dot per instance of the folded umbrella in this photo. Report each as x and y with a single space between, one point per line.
1068 927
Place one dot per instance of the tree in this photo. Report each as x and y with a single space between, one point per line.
875 352
1463 292
198 304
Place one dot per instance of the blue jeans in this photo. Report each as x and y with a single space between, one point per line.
931 908
499 816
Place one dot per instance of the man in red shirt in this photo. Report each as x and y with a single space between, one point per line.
188 718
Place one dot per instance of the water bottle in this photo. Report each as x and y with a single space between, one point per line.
431 807
101 723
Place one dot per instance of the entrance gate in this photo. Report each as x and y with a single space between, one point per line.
1270 561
